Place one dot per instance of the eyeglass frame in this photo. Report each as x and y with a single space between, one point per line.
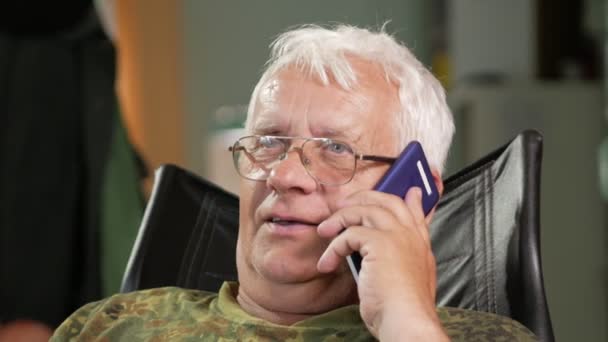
358 156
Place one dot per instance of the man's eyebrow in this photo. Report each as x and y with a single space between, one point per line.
271 127
266 127
342 135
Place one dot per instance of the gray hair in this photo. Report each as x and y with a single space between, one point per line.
423 113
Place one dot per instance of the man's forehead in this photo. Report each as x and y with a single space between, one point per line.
330 111
332 125
267 98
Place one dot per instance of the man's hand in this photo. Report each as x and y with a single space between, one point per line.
398 276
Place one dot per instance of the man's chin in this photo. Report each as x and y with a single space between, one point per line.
287 270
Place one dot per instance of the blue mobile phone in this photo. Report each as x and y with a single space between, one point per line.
410 169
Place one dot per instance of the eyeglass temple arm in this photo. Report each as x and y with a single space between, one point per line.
248 155
381 159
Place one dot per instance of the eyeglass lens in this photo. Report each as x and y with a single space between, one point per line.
328 161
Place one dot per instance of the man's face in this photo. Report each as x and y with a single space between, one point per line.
286 251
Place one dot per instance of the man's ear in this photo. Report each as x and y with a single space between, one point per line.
439 184
438 181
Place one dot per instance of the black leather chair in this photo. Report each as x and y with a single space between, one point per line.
485 236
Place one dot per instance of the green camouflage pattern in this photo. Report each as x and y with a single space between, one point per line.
174 314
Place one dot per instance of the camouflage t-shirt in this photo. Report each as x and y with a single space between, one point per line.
174 314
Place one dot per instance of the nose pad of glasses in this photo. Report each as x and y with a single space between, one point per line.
305 161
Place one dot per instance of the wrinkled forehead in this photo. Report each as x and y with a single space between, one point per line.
297 105
294 101
362 80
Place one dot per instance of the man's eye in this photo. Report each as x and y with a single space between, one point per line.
336 147
268 142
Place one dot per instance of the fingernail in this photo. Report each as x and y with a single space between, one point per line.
320 226
415 193
321 264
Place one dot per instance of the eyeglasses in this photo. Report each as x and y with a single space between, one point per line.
328 161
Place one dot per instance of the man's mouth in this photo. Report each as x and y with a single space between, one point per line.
290 223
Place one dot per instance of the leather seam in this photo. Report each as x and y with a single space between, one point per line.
452 259
484 229
492 255
475 256
201 238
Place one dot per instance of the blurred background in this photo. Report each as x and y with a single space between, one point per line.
94 95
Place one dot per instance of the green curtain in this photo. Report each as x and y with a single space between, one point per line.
122 210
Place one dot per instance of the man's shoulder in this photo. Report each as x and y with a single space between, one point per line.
160 294
132 309
468 325
148 301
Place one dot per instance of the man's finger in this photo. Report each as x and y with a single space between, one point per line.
390 202
342 246
370 216
413 200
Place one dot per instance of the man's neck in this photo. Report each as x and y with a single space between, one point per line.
277 317
286 304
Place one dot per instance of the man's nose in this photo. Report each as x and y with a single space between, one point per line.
290 174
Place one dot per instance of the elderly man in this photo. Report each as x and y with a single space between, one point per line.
330 102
